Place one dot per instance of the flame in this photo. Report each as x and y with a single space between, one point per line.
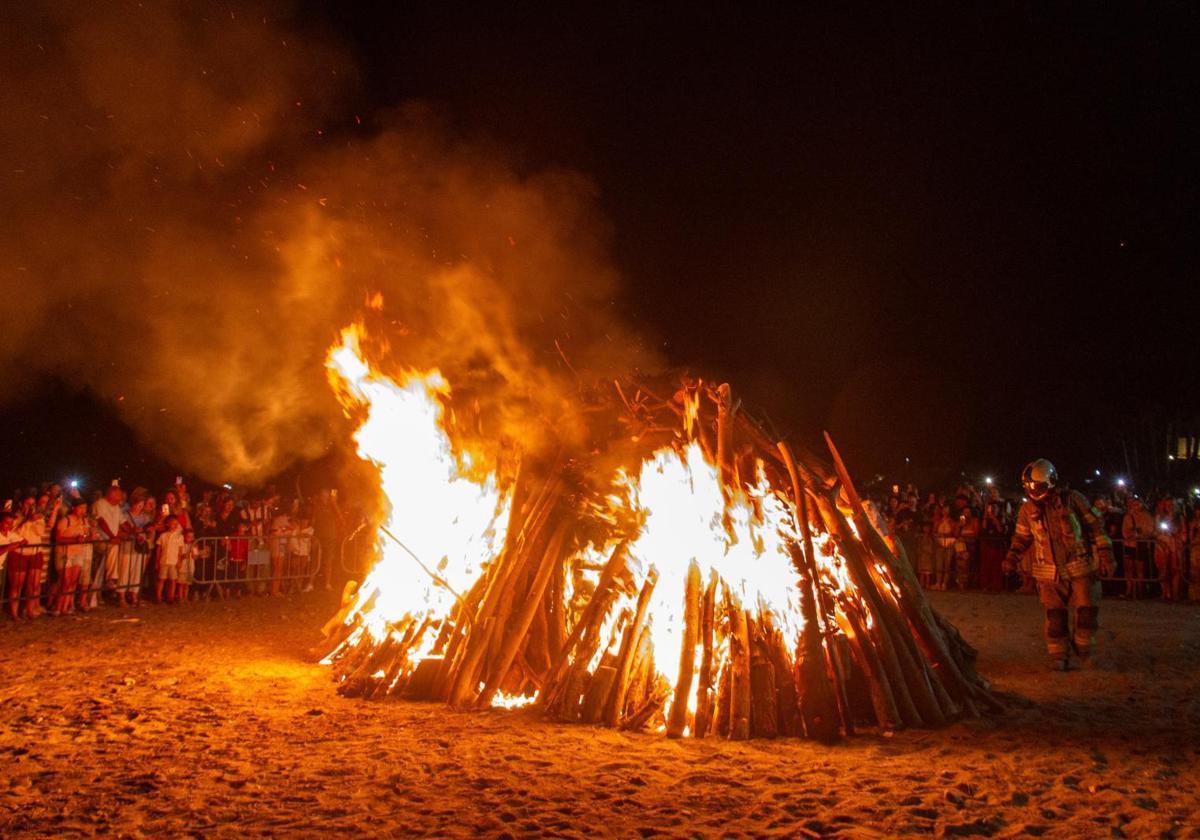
450 520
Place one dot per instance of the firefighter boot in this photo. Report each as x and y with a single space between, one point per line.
1086 624
1058 642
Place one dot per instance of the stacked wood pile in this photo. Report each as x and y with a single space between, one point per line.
875 655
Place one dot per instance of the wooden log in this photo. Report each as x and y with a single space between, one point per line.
883 702
787 699
764 703
678 719
556 615
819 707
704 694
480 610
463 682
764 699
420 684
739 661
913 602
531 544
879 631
643 677
536 647
725 417
590 622
462 616
599 689
659 694
616 699
519 628
724 700
568 706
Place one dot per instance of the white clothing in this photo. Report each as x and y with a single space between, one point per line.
170 546
112 516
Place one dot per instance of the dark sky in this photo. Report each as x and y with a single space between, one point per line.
960 236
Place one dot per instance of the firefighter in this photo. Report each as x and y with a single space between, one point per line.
1058 524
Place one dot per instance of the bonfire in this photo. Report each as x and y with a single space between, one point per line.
675 570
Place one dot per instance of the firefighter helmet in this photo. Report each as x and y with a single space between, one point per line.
1039 478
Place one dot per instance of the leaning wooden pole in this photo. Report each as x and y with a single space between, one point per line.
615 705
704 693
677 719
818 703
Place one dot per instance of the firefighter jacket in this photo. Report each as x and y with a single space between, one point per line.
1059 529
1137 525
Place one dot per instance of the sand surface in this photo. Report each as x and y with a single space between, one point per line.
207 720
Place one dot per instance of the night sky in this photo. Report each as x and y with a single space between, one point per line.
966 238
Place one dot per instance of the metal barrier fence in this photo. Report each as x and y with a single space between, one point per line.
79 576
63 578
1139 572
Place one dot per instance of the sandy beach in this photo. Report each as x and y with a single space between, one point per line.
207 720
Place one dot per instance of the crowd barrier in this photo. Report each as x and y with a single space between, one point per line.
83 575
1138 576
122 570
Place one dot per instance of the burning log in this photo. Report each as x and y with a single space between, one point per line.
818 702
764 700
582 643
739 672
966 688
704 693
521 622
598 691
677 721
616 698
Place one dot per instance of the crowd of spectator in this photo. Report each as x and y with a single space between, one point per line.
62 552
959 539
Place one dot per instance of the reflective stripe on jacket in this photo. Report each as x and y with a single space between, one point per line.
1055 528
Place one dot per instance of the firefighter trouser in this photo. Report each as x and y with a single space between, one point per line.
1062 597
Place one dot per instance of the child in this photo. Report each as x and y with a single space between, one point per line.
187 565
239 568
170 546
281 529
925 548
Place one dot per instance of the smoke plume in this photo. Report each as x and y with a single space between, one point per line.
193 208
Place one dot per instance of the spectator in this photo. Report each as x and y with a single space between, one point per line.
111 525
964 546
300 552
1193 567
281 529
1137 535
10 543
176 508
36 537
327 527
187 565
141 516
170 546
925 554
244 564
944 532
991 550
1167 544
72 534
